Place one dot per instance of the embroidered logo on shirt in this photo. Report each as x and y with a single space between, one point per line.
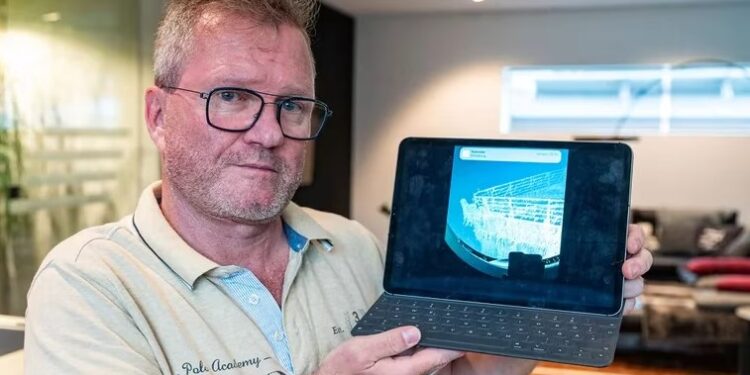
217 365
351 318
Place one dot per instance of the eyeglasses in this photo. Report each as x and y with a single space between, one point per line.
235 109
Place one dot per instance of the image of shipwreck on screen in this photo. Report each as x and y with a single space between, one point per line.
505 211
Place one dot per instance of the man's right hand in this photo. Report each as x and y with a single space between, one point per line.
384 353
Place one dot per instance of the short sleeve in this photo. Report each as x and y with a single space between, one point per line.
74 325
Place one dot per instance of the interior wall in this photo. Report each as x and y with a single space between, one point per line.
440 75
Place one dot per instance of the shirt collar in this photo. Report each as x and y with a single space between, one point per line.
151 225
300 228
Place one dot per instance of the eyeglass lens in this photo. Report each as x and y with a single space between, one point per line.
236 110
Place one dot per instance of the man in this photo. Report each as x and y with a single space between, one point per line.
216 271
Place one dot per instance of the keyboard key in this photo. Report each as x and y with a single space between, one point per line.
599 356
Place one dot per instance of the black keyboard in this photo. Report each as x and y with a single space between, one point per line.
549 336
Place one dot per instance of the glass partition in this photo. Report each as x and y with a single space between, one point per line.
71 75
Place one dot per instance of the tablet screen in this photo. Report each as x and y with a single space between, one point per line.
536 224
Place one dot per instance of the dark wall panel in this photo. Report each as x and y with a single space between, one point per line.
333 47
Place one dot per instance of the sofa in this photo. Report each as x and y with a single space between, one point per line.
675 236
700 275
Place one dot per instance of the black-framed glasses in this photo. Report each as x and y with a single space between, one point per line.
236 109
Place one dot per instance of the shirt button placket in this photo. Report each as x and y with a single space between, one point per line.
253 299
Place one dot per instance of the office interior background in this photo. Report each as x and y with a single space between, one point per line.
669 77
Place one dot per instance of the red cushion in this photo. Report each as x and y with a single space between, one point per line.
709 265
734 283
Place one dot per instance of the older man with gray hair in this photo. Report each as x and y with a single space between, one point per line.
217 271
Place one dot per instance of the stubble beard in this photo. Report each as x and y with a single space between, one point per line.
200 182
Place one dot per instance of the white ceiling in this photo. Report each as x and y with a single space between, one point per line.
358 7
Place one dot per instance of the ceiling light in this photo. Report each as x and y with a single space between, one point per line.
477 1
51 17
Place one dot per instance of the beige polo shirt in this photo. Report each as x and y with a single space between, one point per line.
115 299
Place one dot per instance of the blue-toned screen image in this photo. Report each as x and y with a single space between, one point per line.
505 211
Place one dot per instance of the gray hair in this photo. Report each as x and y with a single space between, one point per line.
175 35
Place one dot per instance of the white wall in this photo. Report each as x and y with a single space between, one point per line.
439 75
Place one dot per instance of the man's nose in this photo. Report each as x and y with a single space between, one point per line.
267 128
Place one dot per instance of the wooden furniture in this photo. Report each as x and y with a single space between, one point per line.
744 314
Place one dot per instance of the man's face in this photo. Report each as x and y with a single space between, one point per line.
246 177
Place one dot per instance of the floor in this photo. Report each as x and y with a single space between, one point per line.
651 364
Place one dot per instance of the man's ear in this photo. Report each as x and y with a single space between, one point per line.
155 116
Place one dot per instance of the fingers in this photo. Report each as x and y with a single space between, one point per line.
636 238
475 363
389 343
637 265
629 305
384 353
424 361
632 288
362 353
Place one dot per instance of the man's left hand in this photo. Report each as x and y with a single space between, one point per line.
639 261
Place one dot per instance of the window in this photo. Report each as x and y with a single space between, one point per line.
689 98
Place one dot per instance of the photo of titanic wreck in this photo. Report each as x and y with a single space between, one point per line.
514 228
